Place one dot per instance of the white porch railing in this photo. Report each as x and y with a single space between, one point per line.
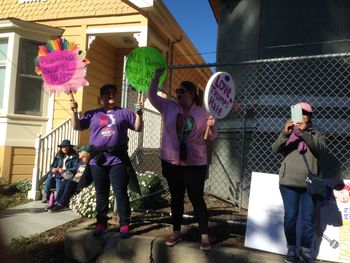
45 151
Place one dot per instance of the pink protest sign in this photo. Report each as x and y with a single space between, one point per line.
62 66
219 95
59 67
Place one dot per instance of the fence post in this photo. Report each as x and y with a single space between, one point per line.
34 193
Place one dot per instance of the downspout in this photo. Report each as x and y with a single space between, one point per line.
172 44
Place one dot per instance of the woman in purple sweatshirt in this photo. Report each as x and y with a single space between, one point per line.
108 152
184 153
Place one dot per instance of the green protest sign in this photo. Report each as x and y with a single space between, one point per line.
141 65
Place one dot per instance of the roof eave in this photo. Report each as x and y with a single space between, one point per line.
17 25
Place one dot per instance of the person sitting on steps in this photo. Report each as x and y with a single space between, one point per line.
65 163
69 185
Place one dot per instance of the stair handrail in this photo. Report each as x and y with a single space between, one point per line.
45 151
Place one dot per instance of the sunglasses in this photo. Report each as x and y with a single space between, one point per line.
180 91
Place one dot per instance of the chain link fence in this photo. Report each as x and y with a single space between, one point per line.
265 90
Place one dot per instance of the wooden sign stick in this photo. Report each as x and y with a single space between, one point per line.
73 100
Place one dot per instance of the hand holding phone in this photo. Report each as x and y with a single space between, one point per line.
297 114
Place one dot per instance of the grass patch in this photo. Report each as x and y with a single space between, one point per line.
20 243
13 200
13 194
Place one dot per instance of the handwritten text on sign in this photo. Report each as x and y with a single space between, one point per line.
140 67
219 95
58 67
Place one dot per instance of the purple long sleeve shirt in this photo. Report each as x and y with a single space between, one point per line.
170 146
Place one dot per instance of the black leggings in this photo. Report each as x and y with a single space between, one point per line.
190 178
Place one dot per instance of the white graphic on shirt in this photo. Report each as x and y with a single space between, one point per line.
108 131
111 117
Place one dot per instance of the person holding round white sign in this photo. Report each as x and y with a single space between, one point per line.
184 153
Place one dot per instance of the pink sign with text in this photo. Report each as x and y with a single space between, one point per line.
219 95
58 67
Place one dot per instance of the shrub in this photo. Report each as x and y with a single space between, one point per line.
151 186
13 194
23 186
84 203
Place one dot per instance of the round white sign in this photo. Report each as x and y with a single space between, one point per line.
219 95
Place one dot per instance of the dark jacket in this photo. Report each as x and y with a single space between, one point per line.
294 169
72 163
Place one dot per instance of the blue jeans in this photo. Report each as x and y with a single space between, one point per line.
52 182
66 191
103 177
293 199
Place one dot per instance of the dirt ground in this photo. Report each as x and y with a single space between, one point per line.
48 247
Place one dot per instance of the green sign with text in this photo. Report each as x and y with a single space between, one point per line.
141 65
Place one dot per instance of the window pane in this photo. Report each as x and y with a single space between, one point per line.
28 98
28 52
29 94
3 49
2 85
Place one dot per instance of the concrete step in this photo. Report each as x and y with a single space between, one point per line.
82 246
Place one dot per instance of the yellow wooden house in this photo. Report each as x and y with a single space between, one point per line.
107 30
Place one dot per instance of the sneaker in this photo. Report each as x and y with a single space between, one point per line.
170 241
307 257
124 232
291 256
49 208
57 208
205 246
100 230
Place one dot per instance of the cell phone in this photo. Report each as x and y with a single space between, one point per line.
297 113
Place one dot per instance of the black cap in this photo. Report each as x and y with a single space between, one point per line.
107 87
188 85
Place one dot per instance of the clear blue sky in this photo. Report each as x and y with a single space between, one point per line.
197 20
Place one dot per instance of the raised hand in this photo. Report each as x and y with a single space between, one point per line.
158 73
288 127
210 121
73 105
138 107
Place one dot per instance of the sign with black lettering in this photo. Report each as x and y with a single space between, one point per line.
219 95
141 65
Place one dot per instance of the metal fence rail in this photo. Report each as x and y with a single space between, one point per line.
265 90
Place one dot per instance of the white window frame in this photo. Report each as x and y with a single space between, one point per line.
11 72
21 75
3 65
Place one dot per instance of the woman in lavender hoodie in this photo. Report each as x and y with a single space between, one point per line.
184 154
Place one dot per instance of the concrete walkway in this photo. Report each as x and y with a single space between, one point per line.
29 219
